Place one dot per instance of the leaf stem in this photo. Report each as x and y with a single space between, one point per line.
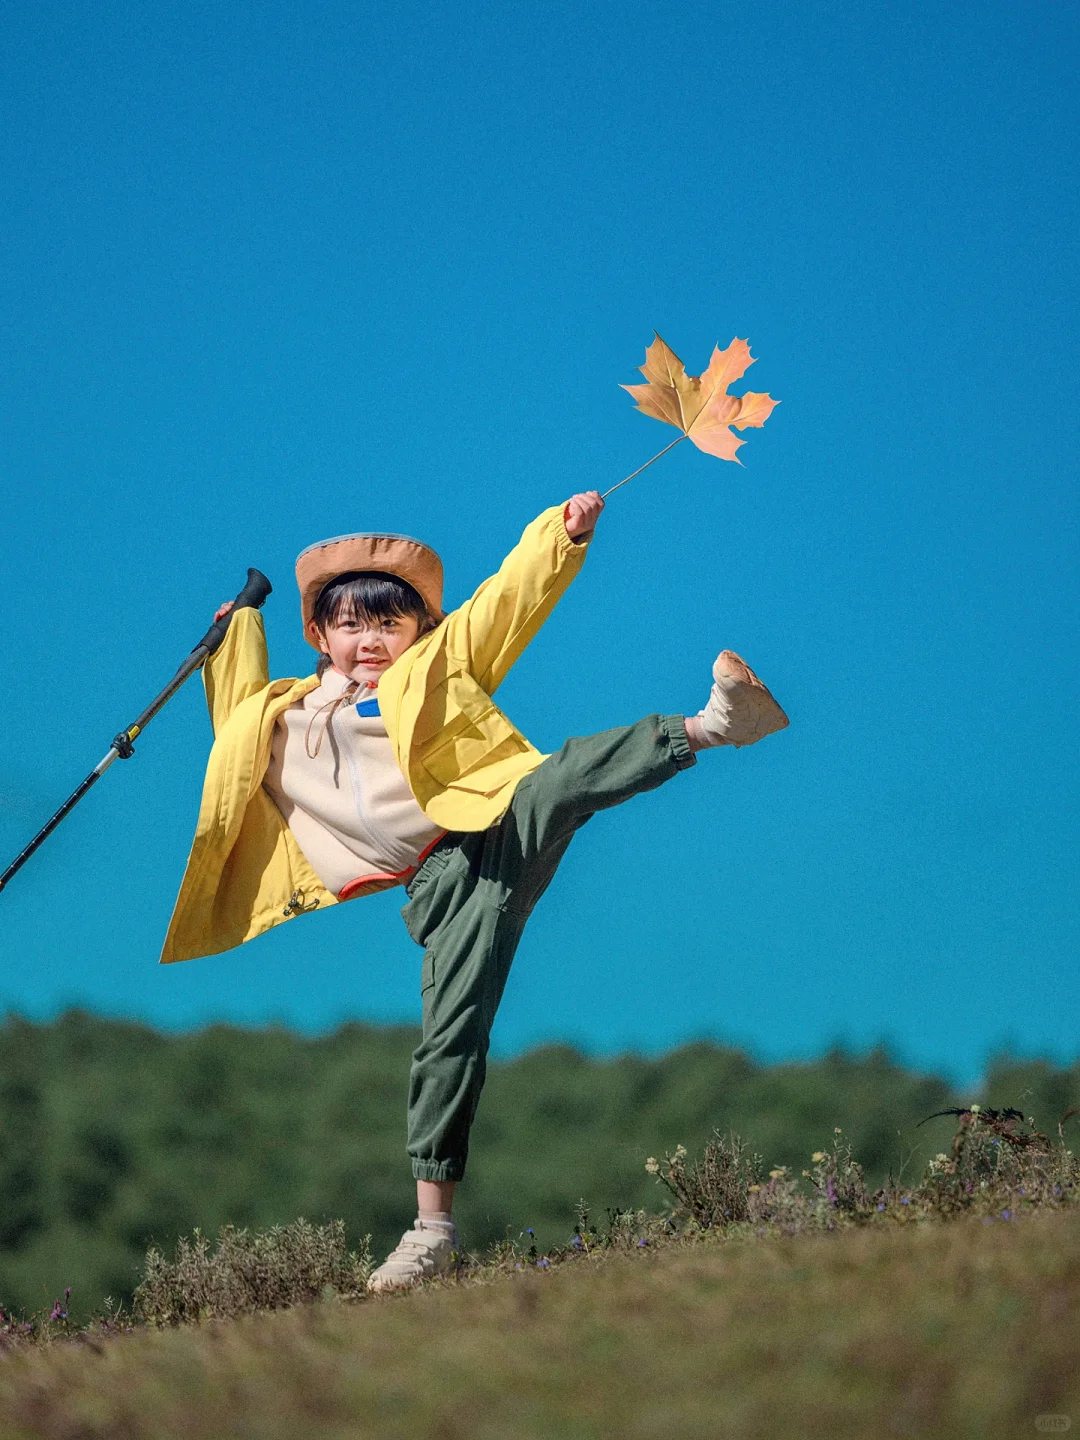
645 466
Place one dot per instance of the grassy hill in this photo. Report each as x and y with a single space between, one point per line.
968 1330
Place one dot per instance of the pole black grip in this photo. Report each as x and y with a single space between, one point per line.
251 597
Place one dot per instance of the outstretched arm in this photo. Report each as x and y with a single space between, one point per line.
488 633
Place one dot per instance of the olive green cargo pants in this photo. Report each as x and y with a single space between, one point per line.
468 904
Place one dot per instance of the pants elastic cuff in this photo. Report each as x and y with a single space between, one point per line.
674 727
438 1169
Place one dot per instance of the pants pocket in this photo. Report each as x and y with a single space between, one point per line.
437 893
427 972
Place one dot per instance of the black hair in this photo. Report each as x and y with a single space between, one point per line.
370 595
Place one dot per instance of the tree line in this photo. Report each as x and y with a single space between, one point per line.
114 1136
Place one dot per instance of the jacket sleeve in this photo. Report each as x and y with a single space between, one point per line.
490 631
238 668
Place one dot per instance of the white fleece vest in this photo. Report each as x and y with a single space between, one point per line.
350 808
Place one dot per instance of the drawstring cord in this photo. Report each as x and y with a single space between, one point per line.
331 707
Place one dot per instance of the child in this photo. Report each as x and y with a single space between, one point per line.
392 766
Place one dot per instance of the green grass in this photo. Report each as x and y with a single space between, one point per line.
962 1329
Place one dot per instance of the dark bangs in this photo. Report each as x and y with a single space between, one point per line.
367 595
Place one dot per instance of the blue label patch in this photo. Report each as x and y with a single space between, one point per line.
367 708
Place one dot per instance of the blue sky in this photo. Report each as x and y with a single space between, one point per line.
275 272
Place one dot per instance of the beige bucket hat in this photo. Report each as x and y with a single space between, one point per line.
400 555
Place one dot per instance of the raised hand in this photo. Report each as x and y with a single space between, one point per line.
581 513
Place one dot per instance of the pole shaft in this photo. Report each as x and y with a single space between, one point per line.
121 749
253 594
190 665
47 829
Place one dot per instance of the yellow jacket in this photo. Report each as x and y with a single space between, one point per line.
460 754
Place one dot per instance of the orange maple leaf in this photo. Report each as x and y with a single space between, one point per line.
699 405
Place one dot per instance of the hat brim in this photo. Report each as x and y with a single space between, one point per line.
415 563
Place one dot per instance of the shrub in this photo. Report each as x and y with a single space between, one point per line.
996 1168
717 1189
249 1271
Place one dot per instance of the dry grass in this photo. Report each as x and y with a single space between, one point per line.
764 1305
970 1329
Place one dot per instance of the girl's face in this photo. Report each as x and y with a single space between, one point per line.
363 649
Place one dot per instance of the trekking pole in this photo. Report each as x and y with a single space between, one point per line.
252 596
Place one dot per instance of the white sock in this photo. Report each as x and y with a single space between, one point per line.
438 1220
705 734
714 719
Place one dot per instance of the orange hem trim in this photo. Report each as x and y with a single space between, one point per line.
347 892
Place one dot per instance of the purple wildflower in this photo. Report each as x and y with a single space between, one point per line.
1006 1214
882 1205
543 1262
641 1243
904 1200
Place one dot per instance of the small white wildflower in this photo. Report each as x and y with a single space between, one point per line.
836 1130
652 1165
818 1156
778 1174
975 1109
680 1152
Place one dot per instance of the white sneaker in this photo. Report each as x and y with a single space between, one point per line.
424 1251
740 709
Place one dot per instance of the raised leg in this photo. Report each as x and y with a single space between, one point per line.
468 906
